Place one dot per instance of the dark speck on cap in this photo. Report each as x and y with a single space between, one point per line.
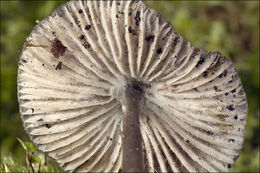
159 51
87 27
80 11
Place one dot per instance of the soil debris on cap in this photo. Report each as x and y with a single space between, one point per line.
150 38
87 27
58 66
57 48
137 18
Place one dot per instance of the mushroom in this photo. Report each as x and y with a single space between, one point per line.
105 84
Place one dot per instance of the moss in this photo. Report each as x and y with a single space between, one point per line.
221 117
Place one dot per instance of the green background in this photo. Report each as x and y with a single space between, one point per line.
229 27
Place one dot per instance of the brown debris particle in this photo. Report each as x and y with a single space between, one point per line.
82 37
87 27
150 38
80 11
58 66
216 88
176 40
159 51
40 120
23 60
233 91
57 48
205 74
223 74
200 62
231 140
131 31
137 18
210 133
230 107
77 22
86 45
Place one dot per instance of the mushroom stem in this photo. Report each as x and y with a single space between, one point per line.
132 139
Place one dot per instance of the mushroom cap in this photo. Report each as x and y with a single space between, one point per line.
74 66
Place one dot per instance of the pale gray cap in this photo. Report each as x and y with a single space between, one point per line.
74 65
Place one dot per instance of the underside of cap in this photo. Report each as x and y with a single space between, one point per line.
75 65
